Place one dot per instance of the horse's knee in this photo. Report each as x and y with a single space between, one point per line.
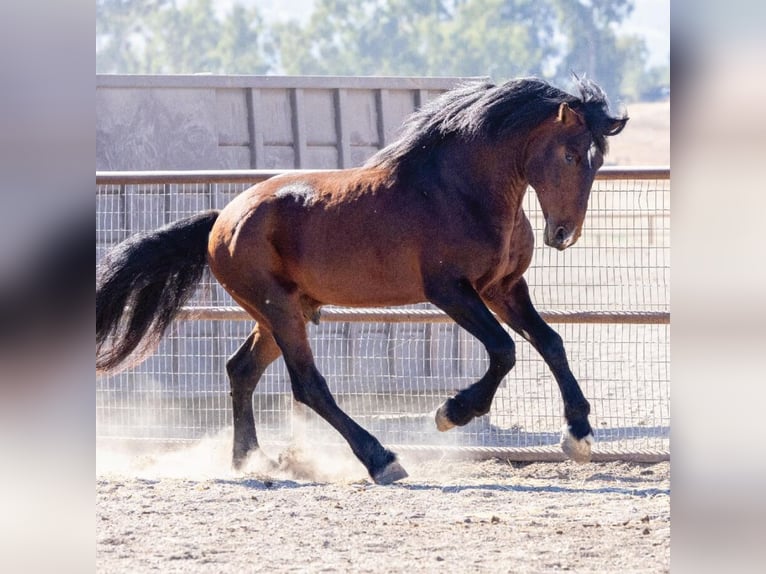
553 346
503 358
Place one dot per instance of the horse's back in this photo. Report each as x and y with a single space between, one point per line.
342 238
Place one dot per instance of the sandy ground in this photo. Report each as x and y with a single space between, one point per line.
185 511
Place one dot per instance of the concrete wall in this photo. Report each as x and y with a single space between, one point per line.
242 122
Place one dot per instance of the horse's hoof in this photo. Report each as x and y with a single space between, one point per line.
238 462
392 472
252 458
443 423
579 450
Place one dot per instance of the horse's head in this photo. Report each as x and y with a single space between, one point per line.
562 159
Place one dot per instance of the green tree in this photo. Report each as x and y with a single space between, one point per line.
496 38
122 27
638 81
244 46
184 39
591 45
172 36
359 37
499 38
633 54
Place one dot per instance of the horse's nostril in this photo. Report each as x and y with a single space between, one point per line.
560 235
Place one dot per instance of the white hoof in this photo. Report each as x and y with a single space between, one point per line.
442 422
578 450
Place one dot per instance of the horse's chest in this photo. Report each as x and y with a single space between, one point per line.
510 257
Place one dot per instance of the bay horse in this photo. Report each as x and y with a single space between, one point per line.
435 216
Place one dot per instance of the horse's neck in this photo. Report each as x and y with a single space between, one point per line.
503 193
493 178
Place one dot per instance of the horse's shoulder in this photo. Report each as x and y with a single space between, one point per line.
523 234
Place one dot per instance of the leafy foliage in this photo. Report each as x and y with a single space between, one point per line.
168 36
496 38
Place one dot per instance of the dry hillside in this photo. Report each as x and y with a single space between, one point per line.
646 139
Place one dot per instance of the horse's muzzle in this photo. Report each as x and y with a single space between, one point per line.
559 236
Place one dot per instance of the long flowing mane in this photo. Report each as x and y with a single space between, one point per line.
477 110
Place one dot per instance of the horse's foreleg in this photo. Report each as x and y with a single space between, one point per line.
462 303
515 308
245 368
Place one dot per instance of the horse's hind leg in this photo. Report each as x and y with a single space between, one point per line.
245 368
310 388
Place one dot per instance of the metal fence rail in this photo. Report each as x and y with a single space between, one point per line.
390 368
405 315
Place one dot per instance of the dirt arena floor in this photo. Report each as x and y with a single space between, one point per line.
185 511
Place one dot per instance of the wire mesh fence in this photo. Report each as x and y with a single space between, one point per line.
608 297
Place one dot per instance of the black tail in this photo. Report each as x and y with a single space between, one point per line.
141 285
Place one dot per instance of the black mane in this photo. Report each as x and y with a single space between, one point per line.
478 110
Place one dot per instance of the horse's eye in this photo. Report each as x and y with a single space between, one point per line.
569 158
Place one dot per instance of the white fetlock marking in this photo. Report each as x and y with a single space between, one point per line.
577 450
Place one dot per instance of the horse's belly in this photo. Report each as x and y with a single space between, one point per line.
354 283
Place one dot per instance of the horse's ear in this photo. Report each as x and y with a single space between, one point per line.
616 126
568 116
